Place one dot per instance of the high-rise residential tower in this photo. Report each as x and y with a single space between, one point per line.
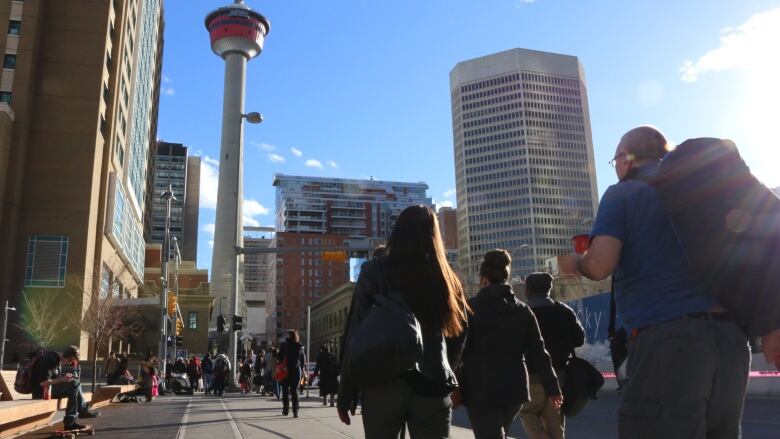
81 82
173 166
524 165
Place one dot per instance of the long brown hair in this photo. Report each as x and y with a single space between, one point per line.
417 260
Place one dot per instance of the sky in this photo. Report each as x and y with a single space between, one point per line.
359 89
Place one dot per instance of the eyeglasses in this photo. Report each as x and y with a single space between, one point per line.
613 162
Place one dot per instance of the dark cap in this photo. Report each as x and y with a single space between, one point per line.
539 283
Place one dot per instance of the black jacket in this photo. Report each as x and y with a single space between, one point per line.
434 376
292 352
561 330
503 336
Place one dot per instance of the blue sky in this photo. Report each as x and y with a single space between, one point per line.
356 88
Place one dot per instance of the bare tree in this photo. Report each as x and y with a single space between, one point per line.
43 318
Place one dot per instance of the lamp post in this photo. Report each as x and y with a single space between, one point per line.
5 329
176 262
523 264
163 350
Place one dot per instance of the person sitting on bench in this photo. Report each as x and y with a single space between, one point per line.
51 370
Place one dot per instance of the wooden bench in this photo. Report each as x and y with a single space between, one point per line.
20 413
106 394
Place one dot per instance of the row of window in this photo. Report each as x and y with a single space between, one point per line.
504 155
494 147
496 176
573 193
491 92
549 79
472 171
553 116
490 82
494 138
548 152
494 128
558 163
560 182
553 107
556 126
552 98
544 134
493 110
493 119
551 89
490 187
491 101
560 173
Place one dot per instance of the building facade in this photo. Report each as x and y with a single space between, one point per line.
524 166
172 166
81 80
329 319
448 223
257 283
358 208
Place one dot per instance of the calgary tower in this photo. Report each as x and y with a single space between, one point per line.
237 35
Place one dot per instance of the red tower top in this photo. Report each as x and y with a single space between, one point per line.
237 29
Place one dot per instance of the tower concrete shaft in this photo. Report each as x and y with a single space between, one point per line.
237 34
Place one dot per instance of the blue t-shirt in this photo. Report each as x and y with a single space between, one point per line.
653 281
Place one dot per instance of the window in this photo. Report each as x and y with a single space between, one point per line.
5 96
14 27
10 61
192 320
105 282
47 258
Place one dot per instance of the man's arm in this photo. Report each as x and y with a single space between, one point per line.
601 258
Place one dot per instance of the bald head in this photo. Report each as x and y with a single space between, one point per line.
644 144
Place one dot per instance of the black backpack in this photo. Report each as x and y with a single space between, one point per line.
25 371
728 223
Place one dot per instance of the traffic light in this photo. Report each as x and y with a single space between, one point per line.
335 256
220 323
171 304
179 340
179 327
238 323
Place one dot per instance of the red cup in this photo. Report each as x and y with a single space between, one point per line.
581 243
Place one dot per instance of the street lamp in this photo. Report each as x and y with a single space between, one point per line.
253 117
5 328
519 249
176 262
163 350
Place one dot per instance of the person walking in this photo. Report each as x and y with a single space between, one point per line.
112 363
272 359
562 332
208 373
194 372
221 374
673 324
291 354
258 368
415 266
244 376
328 370
503 337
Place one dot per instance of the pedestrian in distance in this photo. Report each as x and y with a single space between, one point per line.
272 359
291 354
194 372
244 376
221 373
258 367
328 370
688 360
562 332
503 338
112 363
50 381
208 373
415 266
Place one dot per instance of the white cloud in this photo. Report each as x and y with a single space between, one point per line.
332 164
209 180
168 91
296 152
754 45
209 228
251 209
313 163
446 203
263 146
449 193
275 158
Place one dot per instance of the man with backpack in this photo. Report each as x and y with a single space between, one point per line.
221 374
48 375
562 332
688 360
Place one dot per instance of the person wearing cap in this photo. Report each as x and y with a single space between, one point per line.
562 332
503 338
688 360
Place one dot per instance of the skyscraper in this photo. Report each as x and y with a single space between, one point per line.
524 165
172 166
81 80
257 281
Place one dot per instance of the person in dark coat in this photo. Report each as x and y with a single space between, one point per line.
328 370
415 265
562 332
503 335
292 353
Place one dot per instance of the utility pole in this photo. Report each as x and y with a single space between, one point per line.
5 329
308 347
176 261
166 247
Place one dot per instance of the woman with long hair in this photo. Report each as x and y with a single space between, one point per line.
291 353
415 265
503 336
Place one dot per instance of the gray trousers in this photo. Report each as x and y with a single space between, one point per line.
491 423
388 406
687 380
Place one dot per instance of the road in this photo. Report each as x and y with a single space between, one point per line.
237 417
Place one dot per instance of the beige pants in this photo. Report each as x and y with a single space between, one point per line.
541 420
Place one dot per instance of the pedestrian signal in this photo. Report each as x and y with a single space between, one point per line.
171 304
238 323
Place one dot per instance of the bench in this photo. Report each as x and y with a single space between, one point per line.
19 413
106 394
